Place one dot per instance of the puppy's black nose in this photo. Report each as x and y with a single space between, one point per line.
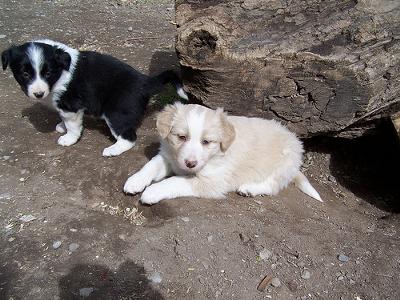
190 163
39 94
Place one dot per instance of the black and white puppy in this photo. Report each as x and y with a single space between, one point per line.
86 82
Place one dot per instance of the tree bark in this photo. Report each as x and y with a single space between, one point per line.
321 67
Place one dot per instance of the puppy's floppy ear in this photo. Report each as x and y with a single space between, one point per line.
228 131
62 58
6 58
164 120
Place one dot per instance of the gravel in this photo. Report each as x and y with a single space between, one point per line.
85 292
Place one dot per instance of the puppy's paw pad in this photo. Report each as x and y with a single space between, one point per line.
134 185
67 140
60 128
150 196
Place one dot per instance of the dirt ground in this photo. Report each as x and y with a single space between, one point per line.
114 248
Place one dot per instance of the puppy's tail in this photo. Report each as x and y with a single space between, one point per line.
305 186
157 83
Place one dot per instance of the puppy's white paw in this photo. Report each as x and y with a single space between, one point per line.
118 148
135 184
151 195
67 139
247 190
60 127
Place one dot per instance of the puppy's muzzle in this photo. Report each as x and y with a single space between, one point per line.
190 163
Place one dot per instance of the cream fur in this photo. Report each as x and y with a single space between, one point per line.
251 156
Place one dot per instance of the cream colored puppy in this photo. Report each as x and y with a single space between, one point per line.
212 154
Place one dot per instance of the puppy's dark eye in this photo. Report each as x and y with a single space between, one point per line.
47 74
205 142
26 75
182 138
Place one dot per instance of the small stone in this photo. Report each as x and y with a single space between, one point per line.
332 178
343 258
130 28
73 230
22 179
306 274
210 238
73 247
185 219
85 292
301 264
275 282
352 281
11 239
27 218
56 244
155 277
340 278
265 254
2 36
6 157
5 196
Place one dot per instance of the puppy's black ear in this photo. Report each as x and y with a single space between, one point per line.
62 58
5 58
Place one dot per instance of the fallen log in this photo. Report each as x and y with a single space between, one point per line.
321 67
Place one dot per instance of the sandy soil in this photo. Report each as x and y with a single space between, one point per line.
114 248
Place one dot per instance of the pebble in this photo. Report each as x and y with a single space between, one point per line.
275 282
2 36
130 28
6 157
340 278
73 230
85 292
185 219
5 196
343 258
73 247
332 178
56 244
265 254
155 277
210 238
11 239
27 218
306 274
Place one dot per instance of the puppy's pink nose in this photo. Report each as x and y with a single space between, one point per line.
190 163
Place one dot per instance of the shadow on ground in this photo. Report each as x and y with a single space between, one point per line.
99 282
367 165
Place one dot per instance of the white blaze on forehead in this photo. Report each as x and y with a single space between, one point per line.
37 85
36 58
195 121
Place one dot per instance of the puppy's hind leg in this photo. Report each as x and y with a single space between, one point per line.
126 138
267 187
122 145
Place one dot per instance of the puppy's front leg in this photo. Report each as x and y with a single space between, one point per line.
155 170
173 187
73 124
